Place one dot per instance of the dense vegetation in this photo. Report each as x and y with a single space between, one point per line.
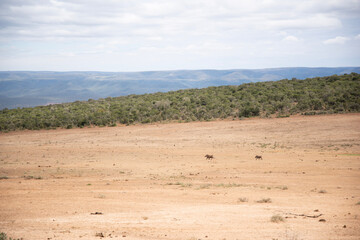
333 94
3 236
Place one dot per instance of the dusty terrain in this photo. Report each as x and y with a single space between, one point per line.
153 181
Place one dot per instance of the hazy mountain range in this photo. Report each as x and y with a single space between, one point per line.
29 88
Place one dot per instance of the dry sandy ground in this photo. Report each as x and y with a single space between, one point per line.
153 182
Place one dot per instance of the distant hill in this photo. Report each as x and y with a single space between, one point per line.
320 95
28 89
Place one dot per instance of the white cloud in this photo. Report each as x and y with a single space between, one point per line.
357 37
224 30
197 16
291 39
305 22
67 54
337 40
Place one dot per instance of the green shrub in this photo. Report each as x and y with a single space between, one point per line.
313 96
3 236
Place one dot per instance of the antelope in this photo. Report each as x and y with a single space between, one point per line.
258 157
208 157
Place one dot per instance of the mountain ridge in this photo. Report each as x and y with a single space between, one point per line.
34 88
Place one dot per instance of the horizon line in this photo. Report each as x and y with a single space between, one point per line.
173 70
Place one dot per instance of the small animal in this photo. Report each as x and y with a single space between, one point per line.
96 213
208 157
258 157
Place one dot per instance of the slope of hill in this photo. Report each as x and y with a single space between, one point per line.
28 89
310 96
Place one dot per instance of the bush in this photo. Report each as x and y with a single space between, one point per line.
333 94
3 236
277 219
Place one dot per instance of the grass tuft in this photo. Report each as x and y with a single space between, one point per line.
204 186
264 200
243 199
282 187
32 177
102 196
277 219
180 184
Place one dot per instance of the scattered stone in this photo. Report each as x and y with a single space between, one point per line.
99 235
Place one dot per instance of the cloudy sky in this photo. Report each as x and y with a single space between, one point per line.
141 35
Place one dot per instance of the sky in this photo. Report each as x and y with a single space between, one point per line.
150 35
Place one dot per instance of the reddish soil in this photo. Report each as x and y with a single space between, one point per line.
153 181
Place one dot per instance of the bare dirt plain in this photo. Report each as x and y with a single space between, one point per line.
153 182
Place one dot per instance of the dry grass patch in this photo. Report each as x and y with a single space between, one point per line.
32 177
264 200
204 186
180 184
100 196
277 218
242 200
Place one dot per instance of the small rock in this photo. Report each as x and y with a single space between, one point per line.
322 220
344 226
